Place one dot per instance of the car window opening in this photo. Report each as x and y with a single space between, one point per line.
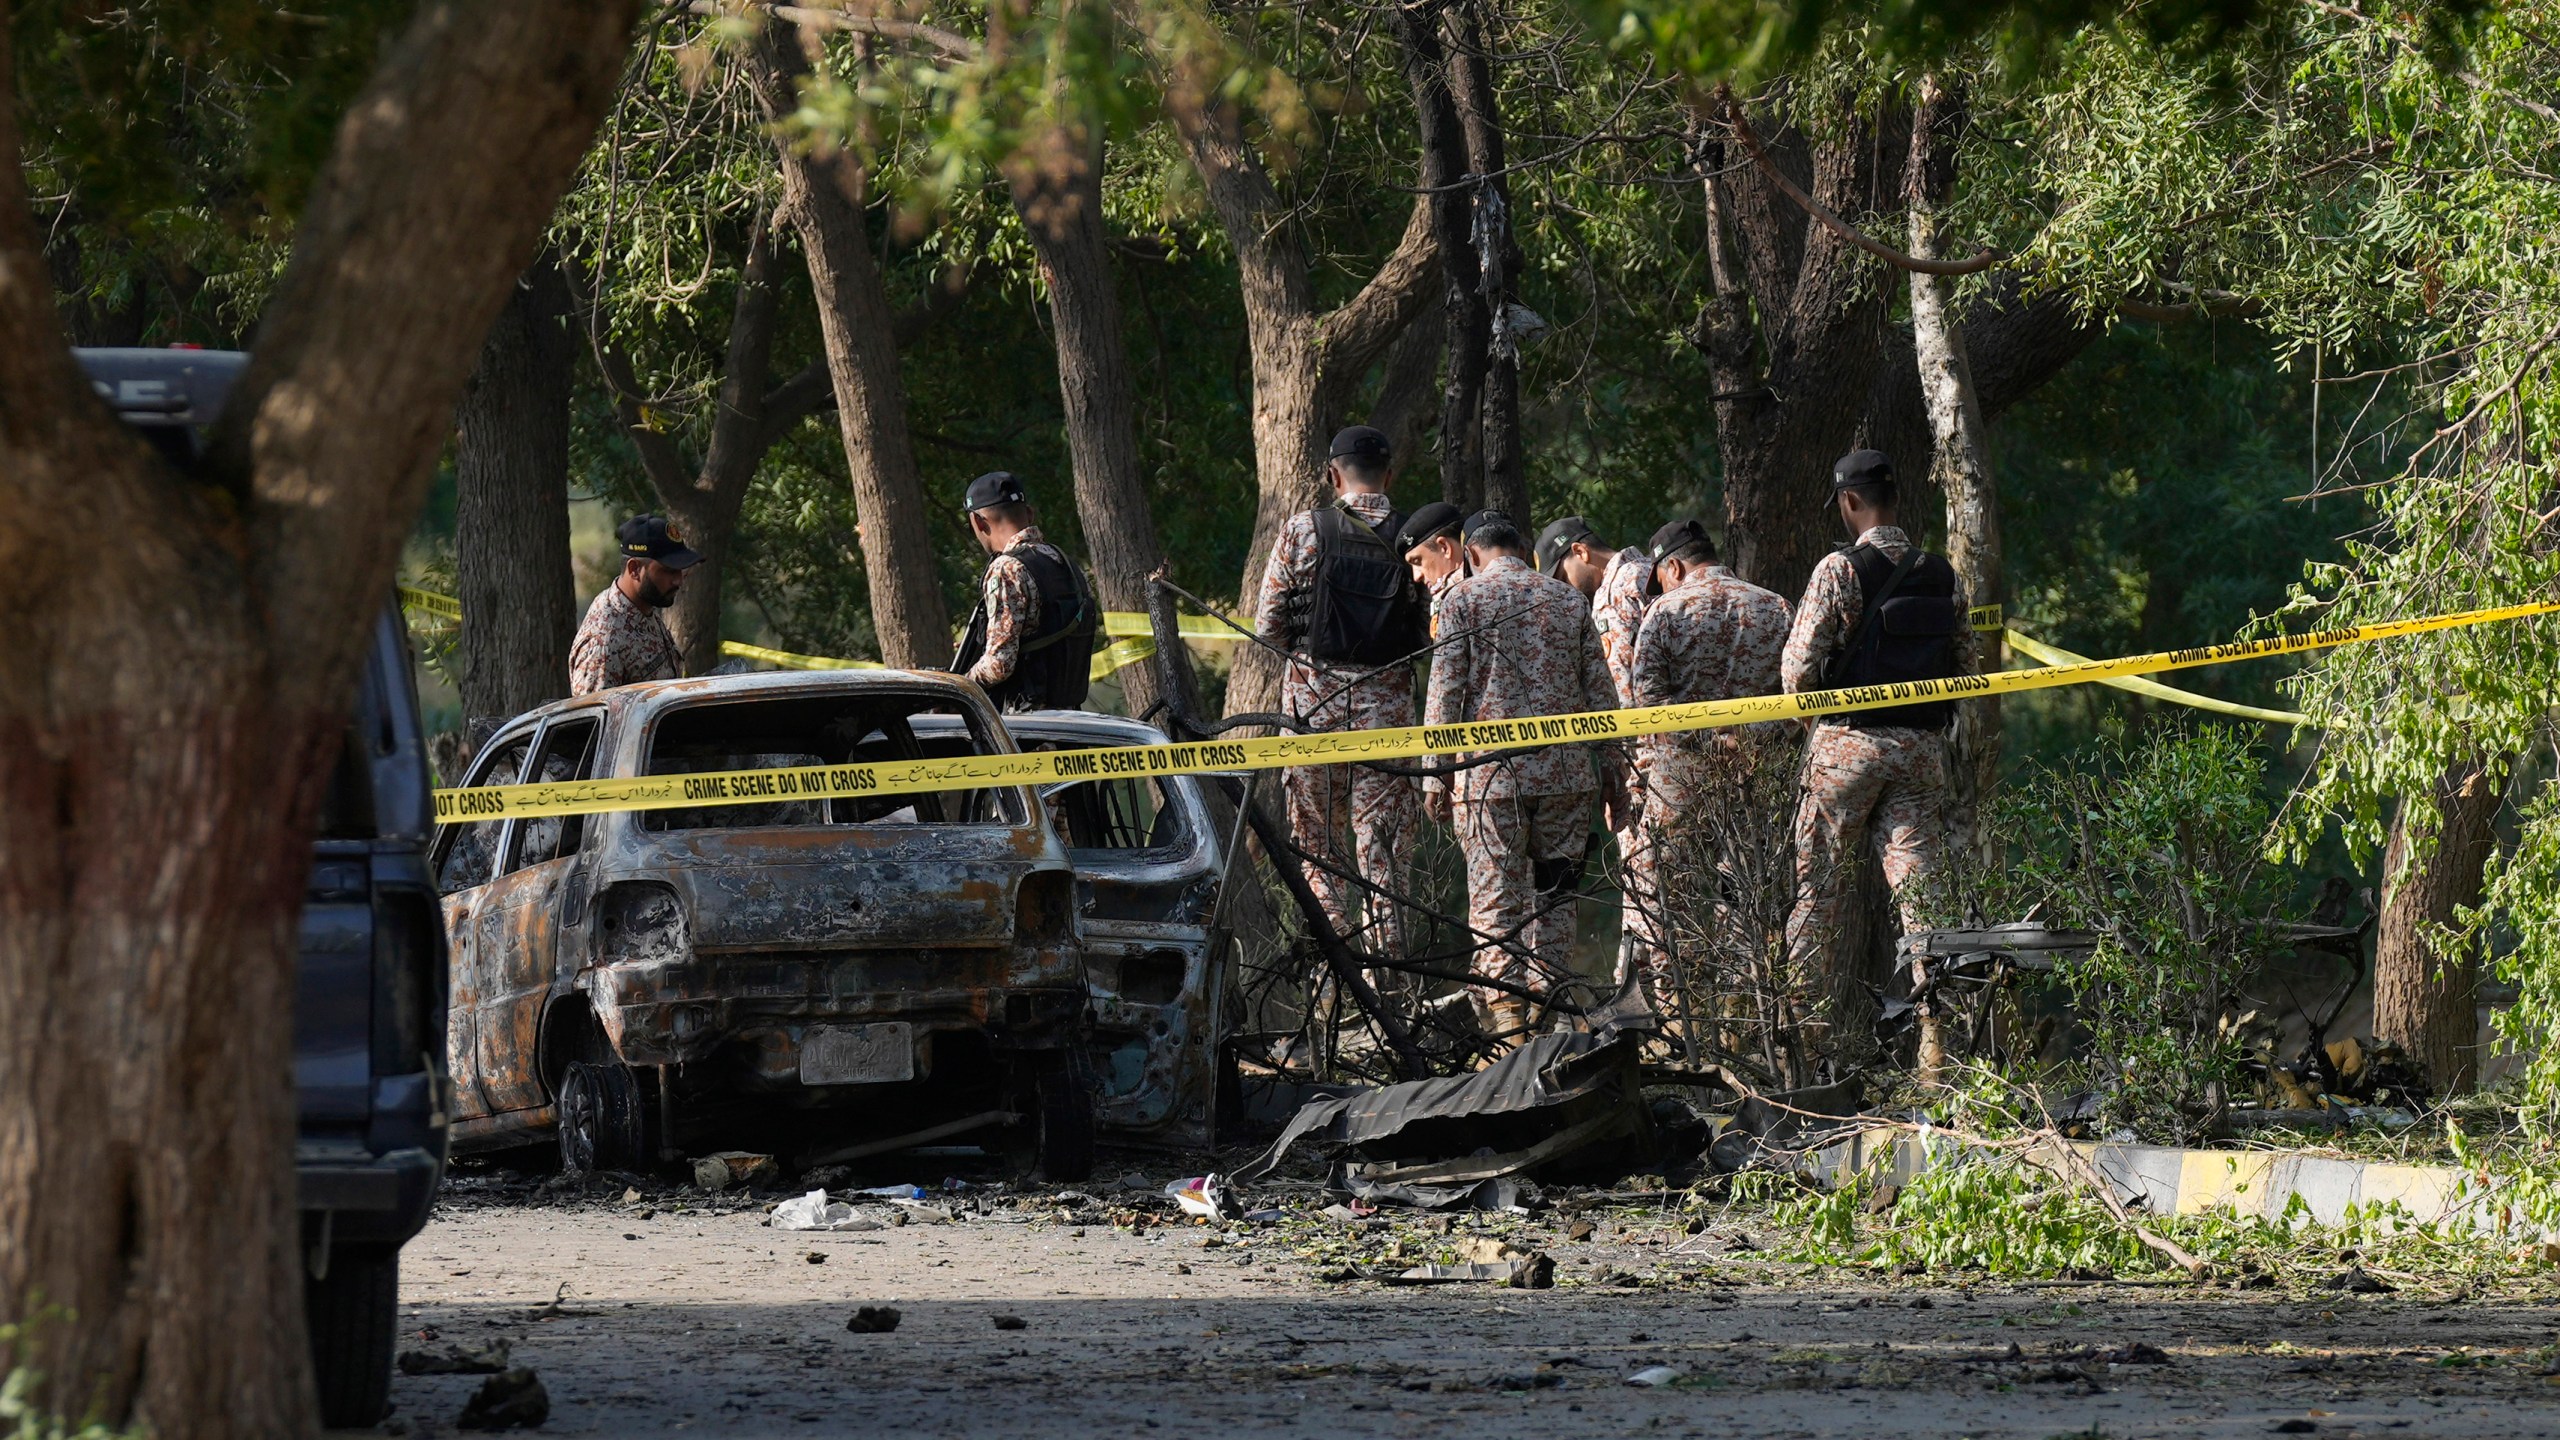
807 731
1122 814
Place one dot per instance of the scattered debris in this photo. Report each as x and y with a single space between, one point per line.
2139 1352
1207 1196
1562 1106
817 1257
489 1359
1653 1375
814 1211
555 1309
2355 1281
1011 1322
873 1320
1528 1272
722 1169
509 1401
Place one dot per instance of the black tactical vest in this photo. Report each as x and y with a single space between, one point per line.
1907 634
1055 666
1366 609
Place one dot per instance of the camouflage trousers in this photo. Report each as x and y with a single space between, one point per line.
1525 855
1889 783
1362 821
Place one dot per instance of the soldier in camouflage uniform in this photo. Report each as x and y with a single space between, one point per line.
1514 643
1711 636
1880 772
1358 818
1029 643
624 638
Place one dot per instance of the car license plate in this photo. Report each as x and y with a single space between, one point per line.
858 1054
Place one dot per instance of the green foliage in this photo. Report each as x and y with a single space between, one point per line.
1968 1213
2157 845
23 1413
168 145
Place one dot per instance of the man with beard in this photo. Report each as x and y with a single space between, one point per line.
624 639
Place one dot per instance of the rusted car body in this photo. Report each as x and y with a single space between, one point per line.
824 978
1150 858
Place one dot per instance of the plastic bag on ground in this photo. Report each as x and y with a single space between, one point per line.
814 1211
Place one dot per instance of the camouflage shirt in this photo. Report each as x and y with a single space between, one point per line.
1331 697
621 642
1012 600
1617 612
1515 643
1716 637
1832 603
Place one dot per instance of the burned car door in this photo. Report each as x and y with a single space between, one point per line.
517 946
466 861
1147 863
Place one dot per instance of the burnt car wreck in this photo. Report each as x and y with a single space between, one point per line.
823 978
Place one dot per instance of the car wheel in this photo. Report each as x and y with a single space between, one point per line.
353 1316
1062 1117
604 1118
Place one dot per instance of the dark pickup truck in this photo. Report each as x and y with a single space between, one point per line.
369 1009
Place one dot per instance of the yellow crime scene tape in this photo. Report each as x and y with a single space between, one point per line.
895 777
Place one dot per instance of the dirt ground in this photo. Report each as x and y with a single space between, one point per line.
689 1314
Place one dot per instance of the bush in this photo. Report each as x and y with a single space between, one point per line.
2159 847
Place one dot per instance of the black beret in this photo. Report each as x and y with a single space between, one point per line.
1431 521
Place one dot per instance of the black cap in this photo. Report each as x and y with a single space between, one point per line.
1363 444
1674 536
996 487
1860 467
1485 519
650 537
1559 537
1430 522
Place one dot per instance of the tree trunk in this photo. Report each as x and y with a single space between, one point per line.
1496 268
1058 191
1305 363
1463 324
824 196
185 650
1407 387
1960 462
511 516
1792 329
2426 1000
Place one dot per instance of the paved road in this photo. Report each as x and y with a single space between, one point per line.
698 1322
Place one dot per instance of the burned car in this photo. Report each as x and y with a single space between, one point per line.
1150 859
826 978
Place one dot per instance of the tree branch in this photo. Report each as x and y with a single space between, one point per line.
1980 260
1352 338
951 44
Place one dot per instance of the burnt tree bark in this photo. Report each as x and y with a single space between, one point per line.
511 511
2425 999
1407 387
1960 460
1306 362
825 193
185 645
1057 188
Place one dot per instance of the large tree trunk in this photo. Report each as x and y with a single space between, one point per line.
1058 191
184 648
824 195
2426 1000
1793 329
1305 363
1960 462
511 513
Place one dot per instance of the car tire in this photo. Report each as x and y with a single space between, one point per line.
1062 1117
353 1316
604 1119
